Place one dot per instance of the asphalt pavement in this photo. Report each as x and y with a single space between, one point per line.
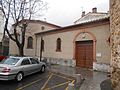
92 79
39 81
58 77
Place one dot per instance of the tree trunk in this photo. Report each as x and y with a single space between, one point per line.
21 51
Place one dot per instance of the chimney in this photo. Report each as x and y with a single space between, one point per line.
94 10
83 14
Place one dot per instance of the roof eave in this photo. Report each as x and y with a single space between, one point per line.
39 21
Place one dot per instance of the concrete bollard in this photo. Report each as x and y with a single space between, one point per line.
78 78
71 86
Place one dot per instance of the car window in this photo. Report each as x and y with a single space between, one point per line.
10 61
25 61
34 61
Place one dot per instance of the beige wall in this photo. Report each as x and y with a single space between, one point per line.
101 33
13 50
50 45
31 30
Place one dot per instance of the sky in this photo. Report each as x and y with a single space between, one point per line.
65 12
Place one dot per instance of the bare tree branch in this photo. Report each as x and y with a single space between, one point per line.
14 4
5 29
21 12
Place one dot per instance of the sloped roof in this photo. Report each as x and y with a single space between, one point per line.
90 17
75 25
40 21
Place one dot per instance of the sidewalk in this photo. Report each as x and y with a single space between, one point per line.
92 80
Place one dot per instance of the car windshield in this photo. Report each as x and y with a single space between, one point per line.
10 61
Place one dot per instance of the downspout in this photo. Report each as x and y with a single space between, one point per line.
36 47
41 49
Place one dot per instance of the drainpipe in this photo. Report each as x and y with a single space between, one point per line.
41 49
36 46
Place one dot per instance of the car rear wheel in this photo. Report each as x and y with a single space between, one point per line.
42 69
19 76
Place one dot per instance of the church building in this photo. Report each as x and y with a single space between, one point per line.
84 44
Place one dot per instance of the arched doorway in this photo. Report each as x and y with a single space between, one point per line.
85 49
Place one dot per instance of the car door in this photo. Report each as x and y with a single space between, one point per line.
26 66
35 65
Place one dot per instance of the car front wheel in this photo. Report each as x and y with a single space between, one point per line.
19 77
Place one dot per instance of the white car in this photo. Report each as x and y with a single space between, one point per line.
18 67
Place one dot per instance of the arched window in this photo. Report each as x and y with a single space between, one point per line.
30 43
42 45
58 45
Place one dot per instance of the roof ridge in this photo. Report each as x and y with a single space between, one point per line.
74 25
81 19
33 20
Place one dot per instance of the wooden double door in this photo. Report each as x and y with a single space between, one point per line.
84 54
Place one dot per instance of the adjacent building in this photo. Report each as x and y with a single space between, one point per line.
84 44
4 42
30 48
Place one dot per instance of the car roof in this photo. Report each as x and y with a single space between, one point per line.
20 57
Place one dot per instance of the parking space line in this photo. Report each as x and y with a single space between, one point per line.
72 83
57 85
49 77
61 83
47 81
63 77
30 84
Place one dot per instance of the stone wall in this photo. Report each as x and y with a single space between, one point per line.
115 43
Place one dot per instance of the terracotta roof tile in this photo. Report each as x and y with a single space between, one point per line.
90 17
